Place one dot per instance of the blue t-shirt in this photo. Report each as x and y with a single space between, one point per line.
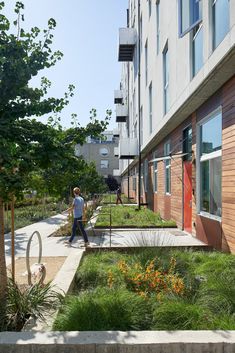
78 204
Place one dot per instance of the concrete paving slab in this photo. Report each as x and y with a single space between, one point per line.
144 237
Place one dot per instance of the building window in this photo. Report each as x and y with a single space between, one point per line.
158 25
166 78
197 49
150 109
141 180
104 164
104 151
190 14
220 20
146 165
134 180
167 162
141 126
146 62
155 173
210 158
135 130
150 7
141 33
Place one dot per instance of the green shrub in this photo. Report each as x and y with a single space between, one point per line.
104 309
179 315
95 269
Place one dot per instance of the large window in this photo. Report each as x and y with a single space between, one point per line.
141 33
190 14
155 173
134 180
146 62
146 165
150 109
150 7
166 79
141 126
197 49
210 140
220 18
167 168
158 25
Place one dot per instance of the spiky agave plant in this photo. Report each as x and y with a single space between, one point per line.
24 302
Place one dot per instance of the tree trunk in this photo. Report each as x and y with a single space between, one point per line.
3 270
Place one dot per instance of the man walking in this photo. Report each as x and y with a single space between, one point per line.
77 208
118 193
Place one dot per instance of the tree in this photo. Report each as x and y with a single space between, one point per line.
25 143
90 181
112 183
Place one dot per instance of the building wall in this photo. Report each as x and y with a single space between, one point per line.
219 234
228 162
191 100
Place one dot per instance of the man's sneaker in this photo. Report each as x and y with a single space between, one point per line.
68 243
85 245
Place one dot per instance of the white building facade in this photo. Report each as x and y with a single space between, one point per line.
178 126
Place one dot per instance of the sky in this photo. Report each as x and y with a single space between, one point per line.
87 34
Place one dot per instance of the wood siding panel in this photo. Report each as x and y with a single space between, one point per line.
228 165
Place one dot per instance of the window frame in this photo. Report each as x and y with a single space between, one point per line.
191 26
149 8
193 37
157 27
146 62
206 157
104 160
167 166
166 79
155 173
213 2
150 108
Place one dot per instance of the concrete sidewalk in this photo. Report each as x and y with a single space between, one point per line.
51 246
54 246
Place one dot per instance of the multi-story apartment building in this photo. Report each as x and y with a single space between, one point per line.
101 151
176 113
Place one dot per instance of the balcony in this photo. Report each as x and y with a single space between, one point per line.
127 42
118 97
121 113
116 173
128 148
116 152
116 133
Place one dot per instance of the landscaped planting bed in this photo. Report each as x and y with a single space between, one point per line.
130 216
112 198
26 215
151 289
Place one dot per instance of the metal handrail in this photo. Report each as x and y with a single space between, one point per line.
28 251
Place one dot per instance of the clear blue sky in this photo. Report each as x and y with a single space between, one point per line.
87 34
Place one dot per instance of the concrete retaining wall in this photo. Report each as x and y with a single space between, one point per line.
119 342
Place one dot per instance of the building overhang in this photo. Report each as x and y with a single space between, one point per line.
127 42
118 97
121 113
128 148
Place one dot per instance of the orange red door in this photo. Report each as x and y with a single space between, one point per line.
187 196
